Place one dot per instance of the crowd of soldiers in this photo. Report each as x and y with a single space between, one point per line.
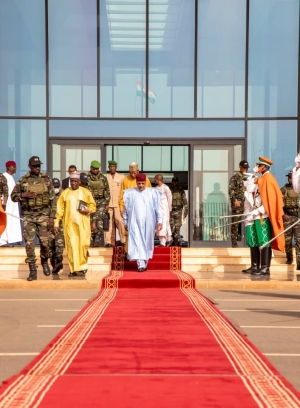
37 195
242 198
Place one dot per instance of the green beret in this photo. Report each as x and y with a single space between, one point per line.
95 164
112 163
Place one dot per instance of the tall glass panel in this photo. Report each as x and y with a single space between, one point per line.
273 57
157 158
122 58
72 57
22 58
221 58
171 58
275 139
21 139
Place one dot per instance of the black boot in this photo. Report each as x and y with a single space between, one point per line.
58 264
32 274
45 266
265 256
97 241
175 242
53 262
255 260
289 258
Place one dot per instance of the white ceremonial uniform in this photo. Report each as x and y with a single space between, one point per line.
142 213
13 232
165 233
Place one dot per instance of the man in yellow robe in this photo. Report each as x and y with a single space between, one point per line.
130 182
76 224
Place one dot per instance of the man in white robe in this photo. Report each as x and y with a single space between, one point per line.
165 233
142 215
13 232
296 175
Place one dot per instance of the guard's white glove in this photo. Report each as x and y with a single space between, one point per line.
251 215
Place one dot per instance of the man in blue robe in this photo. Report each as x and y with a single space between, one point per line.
142 215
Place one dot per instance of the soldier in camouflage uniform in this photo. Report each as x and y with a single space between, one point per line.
98 186
179 203
291 215
36 195
236 196
57 240
3 190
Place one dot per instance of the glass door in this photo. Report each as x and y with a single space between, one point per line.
80 156
212 168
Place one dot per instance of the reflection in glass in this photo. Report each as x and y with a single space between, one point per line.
275 139
171 58
122 58
221 58
21 139
22 56
156 158
215 160
72 57
273 57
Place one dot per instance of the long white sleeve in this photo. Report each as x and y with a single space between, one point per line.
296 180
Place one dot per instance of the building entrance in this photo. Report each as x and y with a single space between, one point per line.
203 170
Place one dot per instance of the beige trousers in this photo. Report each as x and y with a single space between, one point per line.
115 217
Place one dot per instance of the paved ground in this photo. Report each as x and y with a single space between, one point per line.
271 320
29 319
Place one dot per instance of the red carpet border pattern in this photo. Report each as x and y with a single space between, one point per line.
264 387
29 389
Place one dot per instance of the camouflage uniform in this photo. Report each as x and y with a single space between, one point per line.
291 208
98 186
56 247
36 212
236 192
3 187
179 202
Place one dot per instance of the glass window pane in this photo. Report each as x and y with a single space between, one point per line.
275 139
216 160
73 157
156 158
221 58
147 129
273 57
171 58
122 58
22 56
88 155
21 139
180 158
73 57
124 155
56 157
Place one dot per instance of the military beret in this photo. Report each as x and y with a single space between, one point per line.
112 163
95 164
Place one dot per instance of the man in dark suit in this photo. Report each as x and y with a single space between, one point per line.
66 182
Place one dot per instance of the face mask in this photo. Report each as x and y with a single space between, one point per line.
255 169
56 190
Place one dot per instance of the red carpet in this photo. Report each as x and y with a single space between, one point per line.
149 340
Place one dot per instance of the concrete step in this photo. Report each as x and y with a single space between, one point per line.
232 268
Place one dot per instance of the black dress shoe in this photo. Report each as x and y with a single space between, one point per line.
142 269
72 274
108 245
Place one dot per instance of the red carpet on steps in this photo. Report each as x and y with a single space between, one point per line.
149 340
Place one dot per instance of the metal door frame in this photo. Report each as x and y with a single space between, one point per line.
156 142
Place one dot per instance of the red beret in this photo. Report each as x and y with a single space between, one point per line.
140 177
10 163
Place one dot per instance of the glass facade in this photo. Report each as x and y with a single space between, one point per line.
187 72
